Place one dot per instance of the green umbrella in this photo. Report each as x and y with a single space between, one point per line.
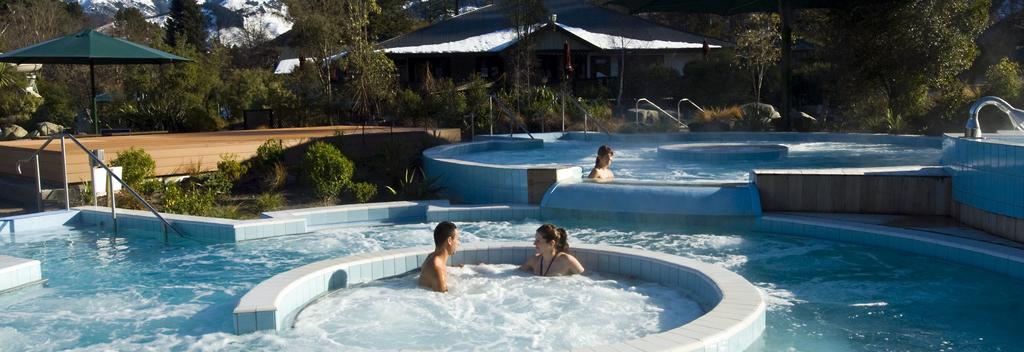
731 7
92 48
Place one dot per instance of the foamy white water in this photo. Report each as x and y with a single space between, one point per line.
640 160
495 308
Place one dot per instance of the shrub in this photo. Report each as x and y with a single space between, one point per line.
149 186
126 200
650 81
268 201
230 211
274 177
445 103
215 182
408 107
411 187
756 117
717 119
327 170
137 164
231 168
948 112
268 153
190 200
363 191
715 81
1004 80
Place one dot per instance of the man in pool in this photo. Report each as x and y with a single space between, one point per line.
433 272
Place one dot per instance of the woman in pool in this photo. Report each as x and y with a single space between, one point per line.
604 160
552 258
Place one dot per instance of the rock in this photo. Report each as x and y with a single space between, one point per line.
647 116
13 132
757 117
803 122
765 111
47 128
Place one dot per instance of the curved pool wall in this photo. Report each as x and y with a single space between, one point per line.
735 309
988 182
478 183
652 202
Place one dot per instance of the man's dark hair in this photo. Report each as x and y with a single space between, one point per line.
443 231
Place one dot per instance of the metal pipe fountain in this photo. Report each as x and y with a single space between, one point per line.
973 128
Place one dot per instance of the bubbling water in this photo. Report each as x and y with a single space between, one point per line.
496 307
639 160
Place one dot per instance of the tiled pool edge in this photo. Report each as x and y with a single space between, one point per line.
479 183
483 212
207 229
735 317
985 255
16 273
38 221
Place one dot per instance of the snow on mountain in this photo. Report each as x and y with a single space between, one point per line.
229 19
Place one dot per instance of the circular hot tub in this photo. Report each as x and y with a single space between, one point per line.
722 152
733 318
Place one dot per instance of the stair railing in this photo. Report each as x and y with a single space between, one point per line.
586 118
513 120
644 100
110 174
679 103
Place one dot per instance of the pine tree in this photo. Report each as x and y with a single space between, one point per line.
186 24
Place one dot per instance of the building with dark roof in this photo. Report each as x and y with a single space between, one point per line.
478 42
475 42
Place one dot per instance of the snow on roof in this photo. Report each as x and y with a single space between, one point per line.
487 42
500 39
287 66
612 42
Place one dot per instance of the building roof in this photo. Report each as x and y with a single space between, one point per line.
489 30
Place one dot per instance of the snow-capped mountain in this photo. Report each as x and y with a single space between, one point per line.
227 18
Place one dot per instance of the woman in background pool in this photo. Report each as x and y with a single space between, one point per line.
552 258
604 160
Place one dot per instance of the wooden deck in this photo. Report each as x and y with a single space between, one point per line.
175 153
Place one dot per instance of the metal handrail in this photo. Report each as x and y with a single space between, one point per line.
638 101
512 117
586 117
110 174
39 180
679 111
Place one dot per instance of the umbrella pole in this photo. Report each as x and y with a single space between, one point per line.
92 99
786 13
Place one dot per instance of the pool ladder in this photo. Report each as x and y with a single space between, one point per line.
586 118
678 117
513 118
112 199
973 128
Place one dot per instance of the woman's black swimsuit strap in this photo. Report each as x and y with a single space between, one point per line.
545 272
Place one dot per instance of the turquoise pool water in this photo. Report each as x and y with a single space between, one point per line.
135 293
641 161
